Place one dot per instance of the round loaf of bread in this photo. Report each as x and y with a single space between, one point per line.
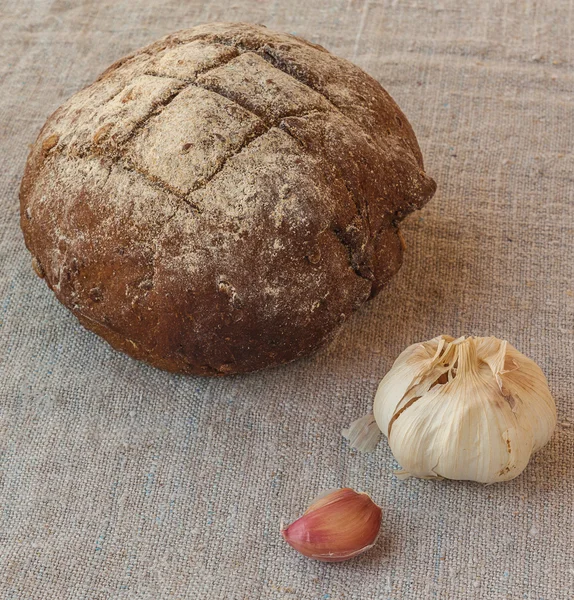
221 200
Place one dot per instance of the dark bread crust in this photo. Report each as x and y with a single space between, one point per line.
221 200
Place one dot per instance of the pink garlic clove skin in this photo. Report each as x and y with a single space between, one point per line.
336 527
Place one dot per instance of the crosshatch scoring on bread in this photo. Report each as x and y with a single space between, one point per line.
222 200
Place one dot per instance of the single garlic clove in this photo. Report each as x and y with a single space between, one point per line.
336 527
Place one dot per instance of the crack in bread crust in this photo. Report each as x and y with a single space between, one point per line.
268 57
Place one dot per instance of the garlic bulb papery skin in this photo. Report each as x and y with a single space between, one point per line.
472 408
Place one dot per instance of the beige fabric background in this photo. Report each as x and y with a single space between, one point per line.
120 481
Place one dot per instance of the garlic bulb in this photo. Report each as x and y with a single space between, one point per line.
470 408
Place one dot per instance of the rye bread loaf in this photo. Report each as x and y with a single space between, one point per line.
223 199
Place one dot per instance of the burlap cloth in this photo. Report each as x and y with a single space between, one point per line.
121 481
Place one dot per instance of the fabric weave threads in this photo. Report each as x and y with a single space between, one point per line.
121 481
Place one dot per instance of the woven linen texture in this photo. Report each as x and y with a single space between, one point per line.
121 481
